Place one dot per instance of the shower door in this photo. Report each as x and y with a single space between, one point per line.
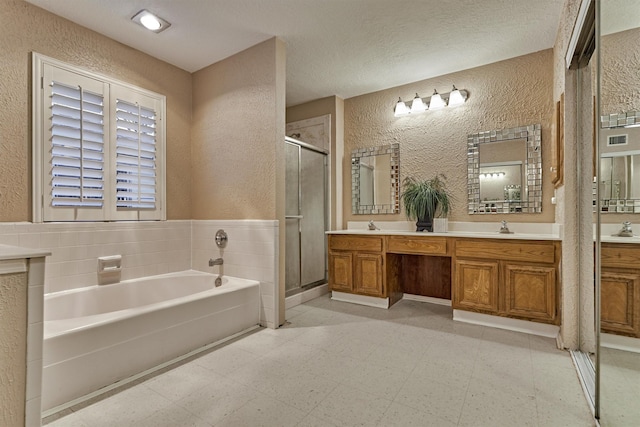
306 216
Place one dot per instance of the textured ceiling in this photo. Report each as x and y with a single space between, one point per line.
334 47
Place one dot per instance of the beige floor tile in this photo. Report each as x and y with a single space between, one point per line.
313 421
404 416
226 359
182 381
437 398
486 405
124 409
173 416
263 411
304 392
348 406
213 403
383 382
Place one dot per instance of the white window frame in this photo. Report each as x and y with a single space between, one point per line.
43 211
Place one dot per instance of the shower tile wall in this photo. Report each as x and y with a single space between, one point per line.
251 253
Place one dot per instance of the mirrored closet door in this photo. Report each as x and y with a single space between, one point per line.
618 211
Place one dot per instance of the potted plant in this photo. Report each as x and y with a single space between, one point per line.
425 199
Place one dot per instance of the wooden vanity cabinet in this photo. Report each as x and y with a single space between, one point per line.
503 277
356 264
476 285
507 278
620 289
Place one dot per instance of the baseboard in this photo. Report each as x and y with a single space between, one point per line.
620 342
360 299
517 325
431 300
305 296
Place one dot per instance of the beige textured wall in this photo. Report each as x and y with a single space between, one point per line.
505 94
13 348
567 195
620 61
234 134
25 28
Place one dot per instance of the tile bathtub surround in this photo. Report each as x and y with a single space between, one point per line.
147 248
338 364
153 247
251 253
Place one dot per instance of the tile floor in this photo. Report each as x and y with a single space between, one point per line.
619 388
339 364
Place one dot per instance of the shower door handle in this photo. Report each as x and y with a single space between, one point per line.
293 217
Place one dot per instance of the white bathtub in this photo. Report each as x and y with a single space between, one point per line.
98 335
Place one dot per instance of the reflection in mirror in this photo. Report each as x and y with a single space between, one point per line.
375 180
505 171
619 179
619 316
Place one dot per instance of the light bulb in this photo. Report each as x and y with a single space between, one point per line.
455 97
150 22
401 109
436 101
417 106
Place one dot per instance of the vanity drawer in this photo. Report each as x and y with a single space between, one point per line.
622 255
356 243
417 245
528 251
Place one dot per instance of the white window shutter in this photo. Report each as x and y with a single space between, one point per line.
138 158
75 149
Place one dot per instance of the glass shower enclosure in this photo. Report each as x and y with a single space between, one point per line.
306 216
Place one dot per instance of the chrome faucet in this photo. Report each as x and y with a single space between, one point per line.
504 229
217 261
372 226
626 230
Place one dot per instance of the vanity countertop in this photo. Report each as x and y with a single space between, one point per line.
468 234
14 252
617 239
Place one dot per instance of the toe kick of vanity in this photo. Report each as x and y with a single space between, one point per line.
516 278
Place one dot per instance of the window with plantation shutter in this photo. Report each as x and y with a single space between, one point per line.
77 146
98 147
135 156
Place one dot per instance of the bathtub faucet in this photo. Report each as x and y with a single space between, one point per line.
217 261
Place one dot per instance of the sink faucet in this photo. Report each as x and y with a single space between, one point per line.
626 230
372 226
504 229
217 261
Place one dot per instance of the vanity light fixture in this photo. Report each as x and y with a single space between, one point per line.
435 102
492 175
150 21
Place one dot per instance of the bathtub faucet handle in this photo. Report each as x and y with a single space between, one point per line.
217 261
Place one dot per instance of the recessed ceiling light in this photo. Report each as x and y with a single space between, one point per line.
150 21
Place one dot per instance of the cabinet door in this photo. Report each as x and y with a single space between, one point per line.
620 303
340 271
476 286
368 277
530 292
